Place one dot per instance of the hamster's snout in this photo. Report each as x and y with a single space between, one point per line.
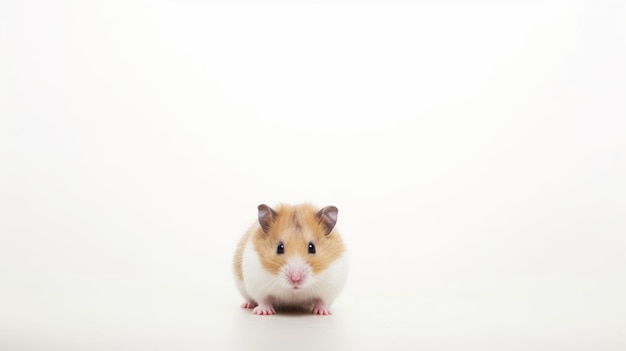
296 274
295 277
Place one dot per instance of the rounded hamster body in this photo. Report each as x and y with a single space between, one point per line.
292 257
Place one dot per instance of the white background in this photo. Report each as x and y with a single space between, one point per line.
476 151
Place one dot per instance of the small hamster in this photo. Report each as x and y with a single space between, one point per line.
291 257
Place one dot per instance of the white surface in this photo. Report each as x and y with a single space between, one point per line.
476 154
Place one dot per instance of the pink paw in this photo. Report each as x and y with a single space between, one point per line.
267 310
249 304
320 309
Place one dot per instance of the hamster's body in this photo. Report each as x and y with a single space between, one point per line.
292 257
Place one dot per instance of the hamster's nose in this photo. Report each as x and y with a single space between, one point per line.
295 277
296 274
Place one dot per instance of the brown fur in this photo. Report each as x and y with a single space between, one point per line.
295 226
239 255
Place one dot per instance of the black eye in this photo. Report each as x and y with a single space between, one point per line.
311 248
280 249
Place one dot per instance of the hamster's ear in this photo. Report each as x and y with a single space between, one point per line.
328 217
266 216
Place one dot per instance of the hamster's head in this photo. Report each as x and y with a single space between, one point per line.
297 243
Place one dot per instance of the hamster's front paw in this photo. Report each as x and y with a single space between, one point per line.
321 309
264 310
249 304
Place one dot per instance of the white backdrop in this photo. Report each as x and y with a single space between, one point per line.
476 152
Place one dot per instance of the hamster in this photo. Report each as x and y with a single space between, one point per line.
291 257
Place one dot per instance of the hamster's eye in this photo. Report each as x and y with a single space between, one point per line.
311 248
280 249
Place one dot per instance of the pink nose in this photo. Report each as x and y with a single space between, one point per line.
295 277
